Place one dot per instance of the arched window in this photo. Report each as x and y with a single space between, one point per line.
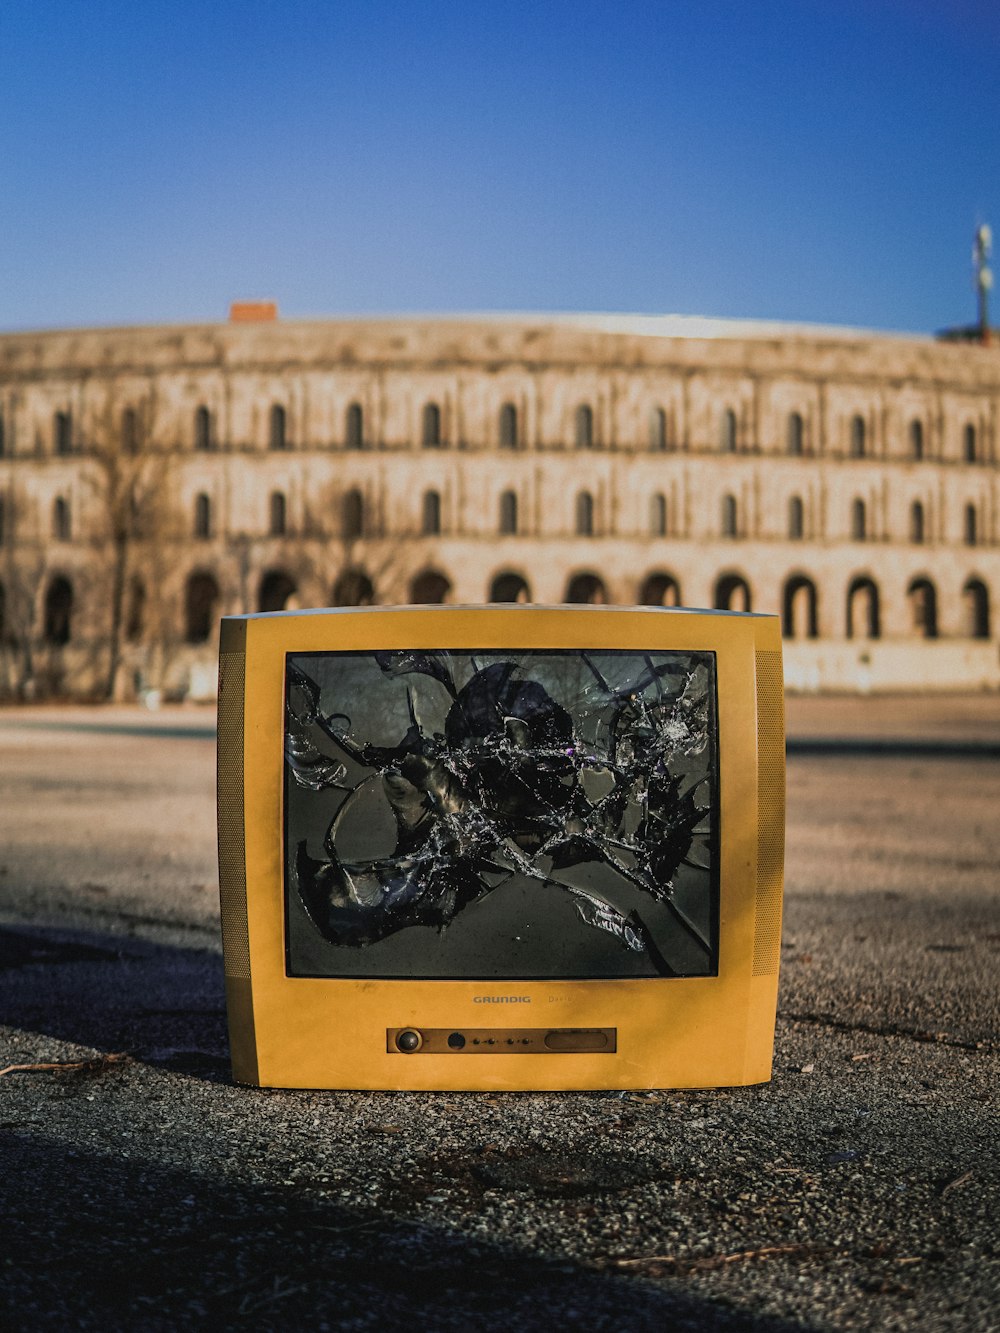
135 610
730 516
976 599
859 521
201 598
509 588
62 433
732 593
916 440
799 618
917 523
58 622
858 433
431 426
130 431
353 588
508 426
657 429
969 449
278 435
508 514
354 432
61 525
922 597
202 517
584 514
796 518
278 514
727 431
658 515
276 591
863 619
431 514
584 426
203 433
795 434
352 514
970 525
429 588
659 589
586 590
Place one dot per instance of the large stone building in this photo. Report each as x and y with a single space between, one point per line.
152 479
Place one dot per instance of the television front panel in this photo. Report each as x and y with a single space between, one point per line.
501 847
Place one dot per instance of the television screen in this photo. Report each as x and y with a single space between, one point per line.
514 813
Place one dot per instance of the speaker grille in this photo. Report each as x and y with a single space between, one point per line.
232 846
771 813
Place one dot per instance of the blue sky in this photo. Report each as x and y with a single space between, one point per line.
821 160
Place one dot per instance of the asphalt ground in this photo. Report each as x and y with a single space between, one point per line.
139 1188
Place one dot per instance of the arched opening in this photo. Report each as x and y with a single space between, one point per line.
917 523
62 433
352 514
976 601
353 588
584 514
276 590
354 428
278 514
730 516
584 426
732 593
657 429
970 526
203 434
795 434
586 590
969 449
58 622
863 619
796 518
202 517
727 431
278 438
858 437
658 515
130 431
859 521
431 426
799 617
61 524
430 520
135 610
508 587
660 589
916 440
429 588
508 514
508 426
922 596
201 597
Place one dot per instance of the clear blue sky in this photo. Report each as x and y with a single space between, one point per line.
822 160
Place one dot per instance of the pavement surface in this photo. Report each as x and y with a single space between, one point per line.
857 1190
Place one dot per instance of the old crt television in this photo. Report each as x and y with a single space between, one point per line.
501 847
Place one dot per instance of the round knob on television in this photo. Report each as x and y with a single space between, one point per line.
409 1040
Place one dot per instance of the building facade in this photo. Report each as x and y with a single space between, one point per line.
153 479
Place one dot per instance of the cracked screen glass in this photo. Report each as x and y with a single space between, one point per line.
501 814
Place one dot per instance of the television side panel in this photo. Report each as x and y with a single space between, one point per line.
232 850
